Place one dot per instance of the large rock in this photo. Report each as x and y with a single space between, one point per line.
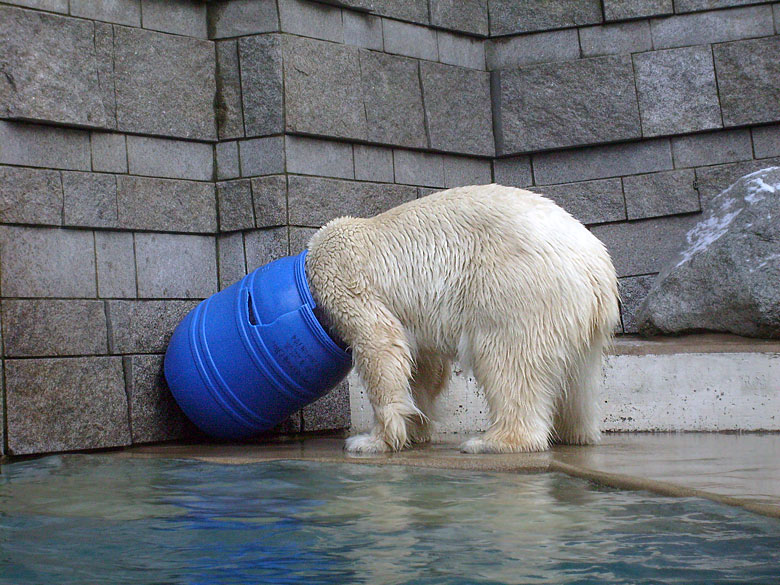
727 275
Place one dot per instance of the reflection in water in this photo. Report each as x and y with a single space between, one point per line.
94 519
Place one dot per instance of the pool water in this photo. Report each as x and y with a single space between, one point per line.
107 519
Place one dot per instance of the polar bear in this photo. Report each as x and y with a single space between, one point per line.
502 280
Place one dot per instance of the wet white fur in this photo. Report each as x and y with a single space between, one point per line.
499 278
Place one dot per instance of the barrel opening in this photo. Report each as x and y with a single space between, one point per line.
251 310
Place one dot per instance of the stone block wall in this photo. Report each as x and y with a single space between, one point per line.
153 152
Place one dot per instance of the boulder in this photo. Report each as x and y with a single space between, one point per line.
726 277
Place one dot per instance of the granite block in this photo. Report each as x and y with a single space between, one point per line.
425 191
3 438
228 107
144 326
310 19
457 109
590 202
54 328
712 148
230 259
261 156
410 40
418 168
515 171
165 84
373 163
633 290
234 199
89 200
747 74
166 204
712 27
697 5
362 30
544 47
242 17
47 262
50 69
109 152
314 201
511 17
180 17
30 196
331 412
766 141
677 91
627 9
312 156
616 39
64 404
461 50
714 179
175 266
556 105
115 264
261 88
322 89
60 6
44 146
127 12
154 414
659 194
174 159
393 99
644 247
460 171
299 238
262 246
409 10
469 16
269 196
228 165
602 161
104 50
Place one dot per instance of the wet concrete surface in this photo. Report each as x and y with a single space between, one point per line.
734 469
698 343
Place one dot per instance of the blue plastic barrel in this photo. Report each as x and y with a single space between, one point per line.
249 356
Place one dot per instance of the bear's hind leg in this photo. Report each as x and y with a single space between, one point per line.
577 415
520 387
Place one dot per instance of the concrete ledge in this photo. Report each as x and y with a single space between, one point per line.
702 343
694 383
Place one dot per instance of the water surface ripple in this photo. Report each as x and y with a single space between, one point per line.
79 519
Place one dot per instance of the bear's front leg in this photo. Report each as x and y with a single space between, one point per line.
383 361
